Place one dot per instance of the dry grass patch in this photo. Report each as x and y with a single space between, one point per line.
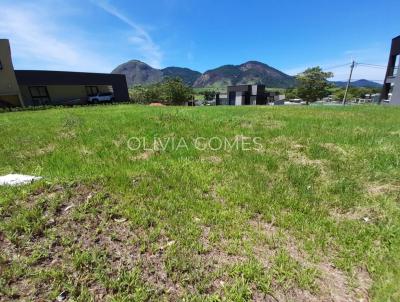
143 156
46 150
378 189
272 124
331 284
395 133
335 148
212 159
365 214
79 242
301 159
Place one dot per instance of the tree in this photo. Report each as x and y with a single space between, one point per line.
209 95
339 95
175 91
145 94
291 93
313 84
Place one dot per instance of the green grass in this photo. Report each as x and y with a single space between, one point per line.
314 213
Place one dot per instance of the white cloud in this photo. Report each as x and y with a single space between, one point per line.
37 41
150 51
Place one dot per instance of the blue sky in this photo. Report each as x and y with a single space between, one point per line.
89 35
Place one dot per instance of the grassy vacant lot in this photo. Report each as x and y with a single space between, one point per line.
312 216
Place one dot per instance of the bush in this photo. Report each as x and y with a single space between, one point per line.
170 91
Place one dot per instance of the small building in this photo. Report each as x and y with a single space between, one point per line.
247 95
39 87
391 85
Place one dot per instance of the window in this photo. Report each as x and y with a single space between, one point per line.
395 68
92 90
1 65
40 95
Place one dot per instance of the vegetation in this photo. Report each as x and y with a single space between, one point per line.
354 92
170 91
337 93
312 84
313 215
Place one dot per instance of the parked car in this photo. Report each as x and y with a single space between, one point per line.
101 97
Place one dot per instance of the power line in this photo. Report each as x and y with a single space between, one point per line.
337 66
372 65
356 64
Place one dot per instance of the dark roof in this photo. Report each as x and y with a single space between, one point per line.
44 77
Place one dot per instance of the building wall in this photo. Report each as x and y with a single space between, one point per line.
395 99
62 94
391 78
65 78
247 95
9 90
239 99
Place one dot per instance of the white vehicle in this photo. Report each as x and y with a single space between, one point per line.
101 97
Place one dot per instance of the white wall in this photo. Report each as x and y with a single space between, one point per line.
239 99
395 100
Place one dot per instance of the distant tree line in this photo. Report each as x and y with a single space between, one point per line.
313 85
171 91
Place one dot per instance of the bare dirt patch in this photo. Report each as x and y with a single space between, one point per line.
215 255
143 156
46 150
333 284
335 148
301 159
378 189
83 239
75 229
365 214
68 134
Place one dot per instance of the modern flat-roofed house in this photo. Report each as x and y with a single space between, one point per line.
40 87
391 86
243 95
247 95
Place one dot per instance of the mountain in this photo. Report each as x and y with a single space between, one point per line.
251 72
139 73
359 83
187 75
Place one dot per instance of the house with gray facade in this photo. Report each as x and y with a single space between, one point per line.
241 95
19 88
391 86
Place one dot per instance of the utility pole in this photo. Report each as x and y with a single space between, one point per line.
353 64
